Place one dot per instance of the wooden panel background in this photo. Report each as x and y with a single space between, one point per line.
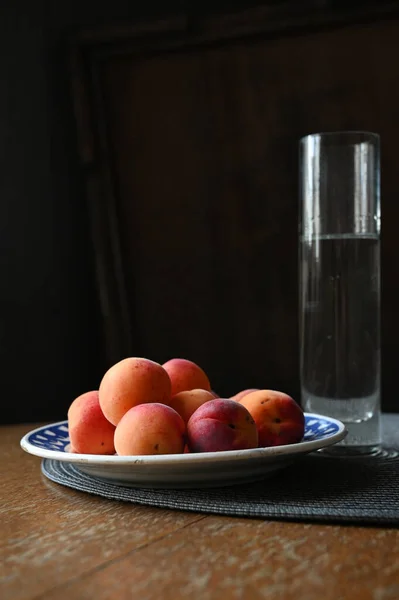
189 141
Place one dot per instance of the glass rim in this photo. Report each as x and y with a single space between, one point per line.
343 136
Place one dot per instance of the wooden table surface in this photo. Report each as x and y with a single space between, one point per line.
58 543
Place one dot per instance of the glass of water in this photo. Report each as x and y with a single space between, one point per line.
340 283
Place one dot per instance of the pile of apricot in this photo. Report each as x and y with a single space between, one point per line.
144 408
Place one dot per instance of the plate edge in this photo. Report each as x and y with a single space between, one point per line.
171 459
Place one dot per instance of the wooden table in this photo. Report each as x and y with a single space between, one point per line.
61 544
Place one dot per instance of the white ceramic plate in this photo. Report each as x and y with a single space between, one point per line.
184 470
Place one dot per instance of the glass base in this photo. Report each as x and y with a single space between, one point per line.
338 450
364 426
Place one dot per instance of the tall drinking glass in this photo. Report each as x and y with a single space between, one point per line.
340 283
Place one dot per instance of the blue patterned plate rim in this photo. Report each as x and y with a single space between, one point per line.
52 441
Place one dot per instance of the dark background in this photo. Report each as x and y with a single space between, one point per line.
50 350
50 346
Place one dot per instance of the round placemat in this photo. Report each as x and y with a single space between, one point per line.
317 488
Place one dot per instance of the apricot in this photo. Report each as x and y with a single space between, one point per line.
89 431
219 425
131 382
279 419
150 428
186 375
238 397
187 402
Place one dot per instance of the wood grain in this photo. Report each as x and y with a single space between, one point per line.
58 543
49 534
223 558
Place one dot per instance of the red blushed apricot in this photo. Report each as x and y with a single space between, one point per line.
131 382
186 375
219 425
151 428
279 419
186 403
89 431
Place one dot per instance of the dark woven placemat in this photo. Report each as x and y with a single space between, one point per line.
317 488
